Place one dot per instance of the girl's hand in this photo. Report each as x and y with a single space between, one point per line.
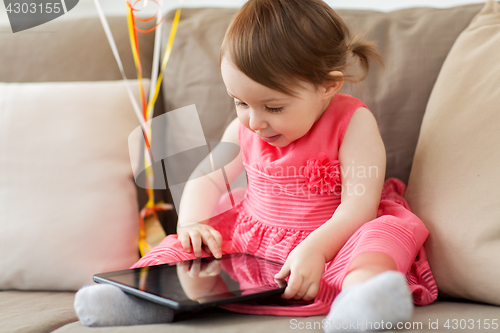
193 236
305 265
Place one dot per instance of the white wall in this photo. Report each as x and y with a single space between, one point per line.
383 5
117 7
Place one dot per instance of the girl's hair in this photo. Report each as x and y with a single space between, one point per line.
274 42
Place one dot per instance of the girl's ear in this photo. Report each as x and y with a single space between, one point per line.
332 88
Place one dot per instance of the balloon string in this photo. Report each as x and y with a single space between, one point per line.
150 208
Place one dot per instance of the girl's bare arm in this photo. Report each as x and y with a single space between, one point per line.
362 161
362 150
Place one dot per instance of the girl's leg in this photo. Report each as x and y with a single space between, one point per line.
379 303
374 296
374 286
367 265
107 305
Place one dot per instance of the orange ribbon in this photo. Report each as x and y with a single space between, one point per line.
150 208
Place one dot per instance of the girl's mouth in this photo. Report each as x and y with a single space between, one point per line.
270 138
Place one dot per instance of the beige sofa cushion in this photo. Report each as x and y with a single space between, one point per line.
35 312
455 184
68 205
414 42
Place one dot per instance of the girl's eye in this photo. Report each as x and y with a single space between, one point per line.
237 103
271 110
274 110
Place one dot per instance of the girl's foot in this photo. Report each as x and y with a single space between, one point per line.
379 303
107 305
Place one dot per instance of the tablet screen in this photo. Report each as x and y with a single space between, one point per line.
201 283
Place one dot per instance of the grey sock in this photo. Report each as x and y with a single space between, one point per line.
107 305
378 303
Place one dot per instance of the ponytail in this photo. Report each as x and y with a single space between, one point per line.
366 52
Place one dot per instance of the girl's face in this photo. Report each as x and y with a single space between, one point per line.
277 118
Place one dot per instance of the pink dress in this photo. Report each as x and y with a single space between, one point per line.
292 191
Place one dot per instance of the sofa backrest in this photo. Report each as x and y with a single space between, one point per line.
70 50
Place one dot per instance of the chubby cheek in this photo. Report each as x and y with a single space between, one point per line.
295 130
286 127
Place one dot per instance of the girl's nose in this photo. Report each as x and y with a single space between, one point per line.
257 122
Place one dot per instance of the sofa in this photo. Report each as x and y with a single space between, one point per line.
415 43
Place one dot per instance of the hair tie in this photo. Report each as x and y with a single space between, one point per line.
349 47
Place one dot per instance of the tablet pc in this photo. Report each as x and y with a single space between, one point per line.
200 283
